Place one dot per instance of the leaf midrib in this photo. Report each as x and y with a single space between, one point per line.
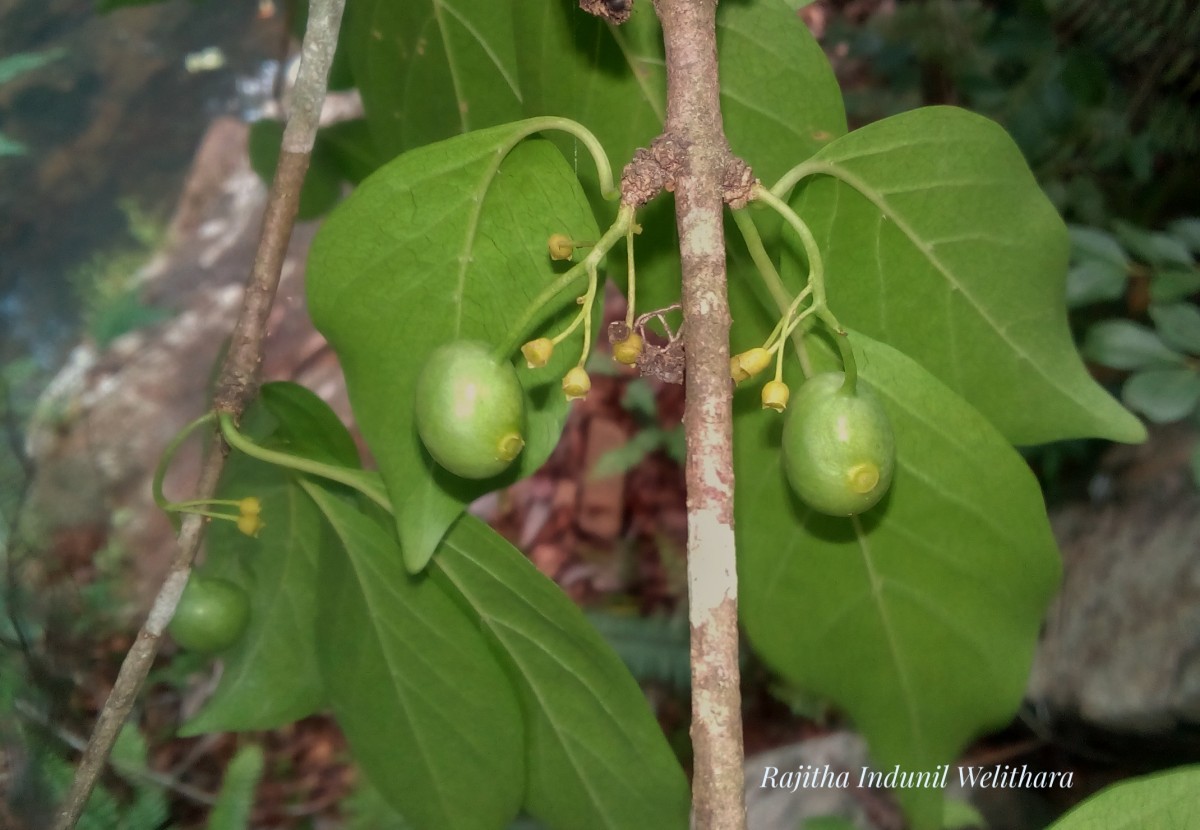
492 624
878 199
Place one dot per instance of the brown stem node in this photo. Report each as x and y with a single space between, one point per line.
614 11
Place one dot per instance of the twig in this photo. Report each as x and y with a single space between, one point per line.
693 156
31 714
236 385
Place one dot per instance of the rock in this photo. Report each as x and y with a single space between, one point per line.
103 422
1121 647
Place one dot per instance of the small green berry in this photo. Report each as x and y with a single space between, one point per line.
838 448
470 410
211 616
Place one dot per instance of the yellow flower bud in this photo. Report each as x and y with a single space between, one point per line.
628 350
748 364
576 384
250 524
560 246
250 506
775 395
538 352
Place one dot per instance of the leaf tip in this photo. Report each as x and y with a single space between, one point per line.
1128 430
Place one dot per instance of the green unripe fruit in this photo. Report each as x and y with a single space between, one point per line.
212 615
470 410
838 449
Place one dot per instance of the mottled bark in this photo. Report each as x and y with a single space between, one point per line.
692 158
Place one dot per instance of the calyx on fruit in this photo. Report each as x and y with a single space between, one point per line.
212 615
470 409
838 448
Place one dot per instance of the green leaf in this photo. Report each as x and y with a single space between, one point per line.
271 677
8 147
323 181
779 96
652 648
106 6
1155 248
778 93
437 246
1172 284
1123 344
14 66
1094 281
1099 267
429 70
611 79
1093 244
919 617
428 711
366 809
149 805
307 426
627 456
1179 325
939 241
351 148
639 401
957 815
1164 801
829 823
236 800
596 756
675 444
123 313
1163 395
1186 231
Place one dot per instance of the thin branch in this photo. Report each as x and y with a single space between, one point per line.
703 183
31 714
236 385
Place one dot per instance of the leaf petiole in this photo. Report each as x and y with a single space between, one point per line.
816 280
816 265
364 482
164 463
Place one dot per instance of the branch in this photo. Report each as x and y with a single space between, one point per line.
692 157
237 384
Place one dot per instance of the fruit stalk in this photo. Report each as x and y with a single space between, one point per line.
237 384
